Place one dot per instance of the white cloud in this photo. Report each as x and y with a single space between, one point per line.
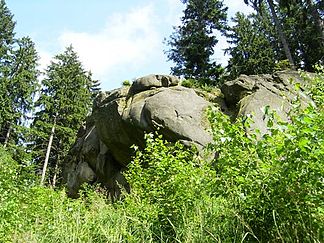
130 38
44 59
131 42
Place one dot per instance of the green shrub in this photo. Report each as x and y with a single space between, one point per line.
282 65
167 180
256 190
126 83
192 83
276 182
316 86
189 83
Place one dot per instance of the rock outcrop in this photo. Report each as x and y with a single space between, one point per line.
251 94
157 102
119 120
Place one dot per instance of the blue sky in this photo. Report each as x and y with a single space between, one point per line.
116 40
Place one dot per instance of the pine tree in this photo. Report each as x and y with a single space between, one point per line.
303 22
192 44
253 38
257 5
7 26
18 77
94 87
251 50
64 102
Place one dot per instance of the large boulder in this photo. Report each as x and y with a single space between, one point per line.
252 95
177 112
121 117
153 81
119 120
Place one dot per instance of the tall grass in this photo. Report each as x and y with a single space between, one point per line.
257 190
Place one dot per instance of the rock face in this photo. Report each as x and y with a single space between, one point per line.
251 94
119 120
157 102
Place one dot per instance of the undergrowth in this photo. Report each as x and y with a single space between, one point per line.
267 189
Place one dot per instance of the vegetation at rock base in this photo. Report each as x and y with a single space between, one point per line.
256 190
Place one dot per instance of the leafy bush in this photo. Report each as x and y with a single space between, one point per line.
126 83
193 83
282 65
175 193
167 179
258 189
276 183
316 86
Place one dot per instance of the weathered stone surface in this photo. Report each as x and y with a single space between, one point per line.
153 81
156 102
82 173
111 132
252 94
179 113
235 90
122 116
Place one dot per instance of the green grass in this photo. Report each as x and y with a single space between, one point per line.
258 190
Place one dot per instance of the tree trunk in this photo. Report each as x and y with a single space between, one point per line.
7 136
282 36
56 171
48 151
317 18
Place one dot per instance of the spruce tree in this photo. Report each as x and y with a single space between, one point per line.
303 21
18 77
64 102
257 4
300 30
7 26
193 42
94 87
253 48
7 35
